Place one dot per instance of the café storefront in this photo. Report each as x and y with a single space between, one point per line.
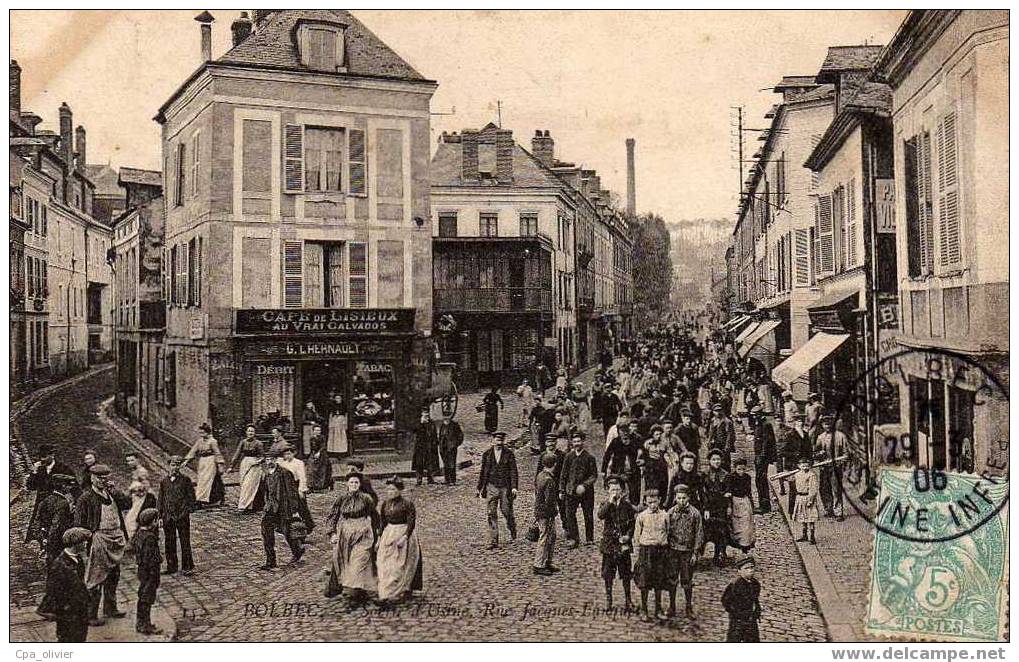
340 368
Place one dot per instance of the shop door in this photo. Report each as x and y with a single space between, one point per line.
960 429
927 424
325 401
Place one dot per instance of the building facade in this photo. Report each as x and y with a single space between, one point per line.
503 230
948 71
296 247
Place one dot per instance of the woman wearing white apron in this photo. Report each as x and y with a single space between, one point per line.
209 488
399 552
249 452
337 442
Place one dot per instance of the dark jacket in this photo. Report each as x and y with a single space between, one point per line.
426 448
794 445
146 549
497 474
176 498
39 482
741 599
765 451
450 435
690 436
722 434
65 584
619 521
578 470
88 509
546 496
56 515
281 498
557 470
620 458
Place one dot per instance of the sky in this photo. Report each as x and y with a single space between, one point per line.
668 79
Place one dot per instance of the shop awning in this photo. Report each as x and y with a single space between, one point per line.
832 299
763 329
735 323
746 332
813 352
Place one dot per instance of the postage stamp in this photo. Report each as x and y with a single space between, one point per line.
930 584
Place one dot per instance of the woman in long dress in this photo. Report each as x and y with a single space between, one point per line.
209 488
491 403
249 452
399 552
338 426
743 533
353 523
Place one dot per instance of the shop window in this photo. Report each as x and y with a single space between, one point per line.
272 396
373 397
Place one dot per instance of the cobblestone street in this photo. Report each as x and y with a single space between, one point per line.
471 593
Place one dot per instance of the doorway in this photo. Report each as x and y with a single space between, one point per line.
324 389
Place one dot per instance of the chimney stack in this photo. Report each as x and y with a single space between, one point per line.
262 14
631 178
543 147
79 147
206 19
469 165
66 148
241 28
16 87
504 156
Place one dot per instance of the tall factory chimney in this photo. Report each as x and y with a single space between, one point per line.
631 179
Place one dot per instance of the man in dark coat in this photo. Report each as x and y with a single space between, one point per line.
100 509
611 405
39 481
546 497
66 583
281 500
616 545
794 444
425 462
146 548
499 472
450 436
741 600
56 516
765 454
576 488
689 434
620 459
175 504
722 436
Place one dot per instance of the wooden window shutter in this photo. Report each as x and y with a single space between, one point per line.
825 234
949 222
356 162
293 274
178 193
293 158
171 379
852 228
924 186
357 272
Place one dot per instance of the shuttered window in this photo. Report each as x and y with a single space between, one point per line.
924 203
949 221
825 235
293 274
801 257
195 162
358 274
191 266
852 227
293 157
356 162
313 279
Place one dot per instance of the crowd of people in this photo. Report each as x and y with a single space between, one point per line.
672 478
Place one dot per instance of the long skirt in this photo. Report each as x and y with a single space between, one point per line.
353 564
337 441
251 478
320 474
743 534
654 569
491 418
207 472
803 513
399 562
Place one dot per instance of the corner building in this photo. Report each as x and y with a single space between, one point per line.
297 254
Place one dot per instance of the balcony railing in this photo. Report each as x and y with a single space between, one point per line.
494 299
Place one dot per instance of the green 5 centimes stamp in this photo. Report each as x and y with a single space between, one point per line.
940 565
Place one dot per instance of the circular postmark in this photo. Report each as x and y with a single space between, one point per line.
920 484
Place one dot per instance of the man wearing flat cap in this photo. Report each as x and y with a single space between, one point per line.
99 509
576 489
40 482
741 600
56 515
499 472
71 601
146 548
281 506
722 436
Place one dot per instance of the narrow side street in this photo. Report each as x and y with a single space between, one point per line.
470 592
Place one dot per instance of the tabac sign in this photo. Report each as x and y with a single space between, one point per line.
323 321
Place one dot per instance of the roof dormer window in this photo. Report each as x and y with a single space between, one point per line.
322 46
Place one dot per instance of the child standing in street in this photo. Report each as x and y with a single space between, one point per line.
741 601
146 547
651 535
805 487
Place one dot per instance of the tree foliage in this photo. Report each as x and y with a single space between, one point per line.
652 269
